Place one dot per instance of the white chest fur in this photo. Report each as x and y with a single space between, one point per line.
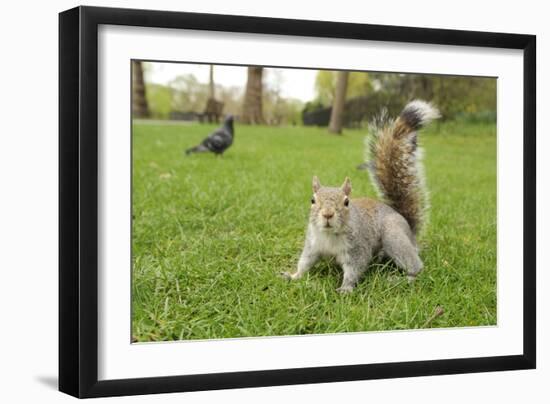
328 244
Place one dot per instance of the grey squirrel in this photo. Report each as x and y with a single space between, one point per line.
355 230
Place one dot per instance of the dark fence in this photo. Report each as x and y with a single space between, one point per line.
185 116
357 112
317 117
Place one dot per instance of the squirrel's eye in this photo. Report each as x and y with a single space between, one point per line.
312 200
346 202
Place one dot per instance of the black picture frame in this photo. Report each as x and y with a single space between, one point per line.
78 201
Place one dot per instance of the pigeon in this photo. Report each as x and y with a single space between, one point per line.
218 141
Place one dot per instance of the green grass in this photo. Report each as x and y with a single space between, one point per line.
211 235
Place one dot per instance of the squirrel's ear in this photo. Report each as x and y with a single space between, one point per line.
346 186
316 184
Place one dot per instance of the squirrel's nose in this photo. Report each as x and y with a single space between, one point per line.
328 215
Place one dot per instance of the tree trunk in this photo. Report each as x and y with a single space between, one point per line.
212 91
140 108
252 107
213 108
339 102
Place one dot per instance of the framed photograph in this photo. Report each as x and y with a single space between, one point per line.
251 201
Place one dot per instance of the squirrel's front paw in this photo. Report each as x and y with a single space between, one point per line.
411 279
286 275
345 289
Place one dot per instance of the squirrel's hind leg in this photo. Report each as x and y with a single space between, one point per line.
399 247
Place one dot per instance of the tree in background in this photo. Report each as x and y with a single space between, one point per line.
232 98
188 94
281 111
185 98
214 108
464 97
159 99
457 97
325 85
278 110
252 106
335 125
140 108
212 87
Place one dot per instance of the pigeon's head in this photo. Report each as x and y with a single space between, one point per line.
330 206
228 123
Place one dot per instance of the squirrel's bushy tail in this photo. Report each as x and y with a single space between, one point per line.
395 161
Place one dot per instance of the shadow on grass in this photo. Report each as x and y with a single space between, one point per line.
380 266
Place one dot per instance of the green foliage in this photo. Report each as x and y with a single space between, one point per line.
188 94
476 117
159 98
313 106
464 95
211 235
232 98
281 111
325 86
465 98
453 95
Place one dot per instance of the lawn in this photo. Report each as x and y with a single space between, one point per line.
211 235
